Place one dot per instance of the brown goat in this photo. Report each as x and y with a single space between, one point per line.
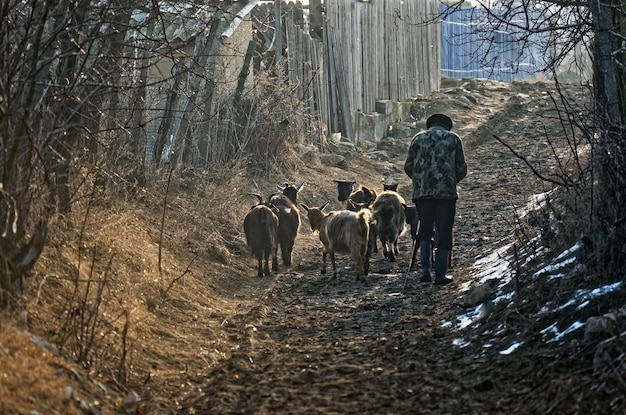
360 197
388 212
261 228
343 232
288 218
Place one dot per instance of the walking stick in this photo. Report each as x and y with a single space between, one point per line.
413 254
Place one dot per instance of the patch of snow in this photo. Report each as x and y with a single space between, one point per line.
556 276
460 342
569 251
511 348
470 317
493 266
550 329
581 298
558 336
535 202
505 297
554 266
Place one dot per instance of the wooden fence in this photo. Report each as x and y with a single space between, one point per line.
367 51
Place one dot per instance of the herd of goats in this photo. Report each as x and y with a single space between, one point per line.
365 218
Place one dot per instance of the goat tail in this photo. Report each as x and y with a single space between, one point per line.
364 217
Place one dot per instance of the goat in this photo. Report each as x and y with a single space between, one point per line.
291 191
288 218
390 186
343 232
261 228
361 196
354 199
388 213
344 188
356 207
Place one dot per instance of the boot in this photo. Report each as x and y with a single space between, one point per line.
425 260
441 266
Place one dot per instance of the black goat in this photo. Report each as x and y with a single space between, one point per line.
288 218
344 188
261 228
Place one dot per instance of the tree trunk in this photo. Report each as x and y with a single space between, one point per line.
607 99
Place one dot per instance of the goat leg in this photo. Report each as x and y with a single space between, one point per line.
266 269
332 259
275 261
259 259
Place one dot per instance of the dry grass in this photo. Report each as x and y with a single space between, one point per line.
33 378
100 269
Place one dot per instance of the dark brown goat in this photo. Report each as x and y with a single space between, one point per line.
351 199
288 217
388 211
261 228
343 232
361 196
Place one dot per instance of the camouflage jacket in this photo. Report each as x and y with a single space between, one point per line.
436 164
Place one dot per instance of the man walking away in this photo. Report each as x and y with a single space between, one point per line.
435 162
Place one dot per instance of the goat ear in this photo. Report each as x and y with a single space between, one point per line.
280 189
304 206
300 187
324 205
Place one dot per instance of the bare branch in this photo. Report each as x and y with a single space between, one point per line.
529 164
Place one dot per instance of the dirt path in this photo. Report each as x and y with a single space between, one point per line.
313 345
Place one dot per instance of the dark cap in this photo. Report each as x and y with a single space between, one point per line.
440 120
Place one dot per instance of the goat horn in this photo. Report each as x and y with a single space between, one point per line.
257 195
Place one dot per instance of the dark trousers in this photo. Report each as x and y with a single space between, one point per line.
436 214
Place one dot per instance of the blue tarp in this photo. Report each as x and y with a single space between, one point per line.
469 49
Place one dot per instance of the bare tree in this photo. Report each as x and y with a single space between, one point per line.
561 28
